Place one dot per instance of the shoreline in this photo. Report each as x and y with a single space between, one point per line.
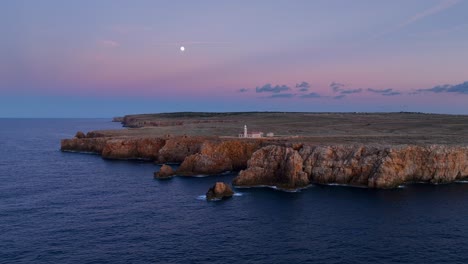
372 156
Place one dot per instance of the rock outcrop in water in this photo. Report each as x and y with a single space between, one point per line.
371 166
164 172
219 191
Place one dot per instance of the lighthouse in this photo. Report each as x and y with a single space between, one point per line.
251 135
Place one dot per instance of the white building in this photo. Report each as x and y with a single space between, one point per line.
250 135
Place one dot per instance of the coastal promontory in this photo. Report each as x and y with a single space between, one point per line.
292 150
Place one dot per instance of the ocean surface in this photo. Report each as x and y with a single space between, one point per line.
78 208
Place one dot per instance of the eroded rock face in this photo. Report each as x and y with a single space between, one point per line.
91 145
238 152
204 164
219 156
94 134
178 148
287 164
164 172
219 191
433 164
371 166
274 166
340 164
133 148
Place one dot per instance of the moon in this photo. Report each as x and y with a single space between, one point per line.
182 48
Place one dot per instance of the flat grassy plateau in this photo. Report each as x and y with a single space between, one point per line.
317 128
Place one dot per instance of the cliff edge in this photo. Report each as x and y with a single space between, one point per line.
375 150
369 166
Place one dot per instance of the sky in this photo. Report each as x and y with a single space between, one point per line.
113 57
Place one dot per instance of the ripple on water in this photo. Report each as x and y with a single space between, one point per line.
70 208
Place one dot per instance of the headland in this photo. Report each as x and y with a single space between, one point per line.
294 150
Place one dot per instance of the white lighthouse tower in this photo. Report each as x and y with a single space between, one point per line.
245 131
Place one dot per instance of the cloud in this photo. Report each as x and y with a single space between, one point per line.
351 91
384 92
339 88
441 6
336 86
243 90
461 88
342 92
311 95
303 87
284 95
107 43
279 91
268 88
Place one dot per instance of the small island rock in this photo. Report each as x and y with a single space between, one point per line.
219 191
165 171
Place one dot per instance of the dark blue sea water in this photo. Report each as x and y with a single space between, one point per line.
74 208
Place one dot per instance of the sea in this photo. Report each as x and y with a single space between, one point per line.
58 207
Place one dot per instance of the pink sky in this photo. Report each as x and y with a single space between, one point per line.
91 52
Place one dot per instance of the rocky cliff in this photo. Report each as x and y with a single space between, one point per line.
370 166
133 148
115 148
88 145
288 165
215 157
176 149
274 166
197 155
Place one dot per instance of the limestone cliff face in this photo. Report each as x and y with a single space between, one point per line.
274 166
216 157
162 150
116 148
287 165
371 166
341 164
198 155
133 148
91 145
434 164
176 149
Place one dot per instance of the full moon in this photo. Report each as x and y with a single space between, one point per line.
182 48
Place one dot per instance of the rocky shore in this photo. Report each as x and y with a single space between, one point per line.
286 164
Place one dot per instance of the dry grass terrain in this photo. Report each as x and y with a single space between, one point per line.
326 128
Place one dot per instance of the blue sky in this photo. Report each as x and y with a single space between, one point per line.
108 58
